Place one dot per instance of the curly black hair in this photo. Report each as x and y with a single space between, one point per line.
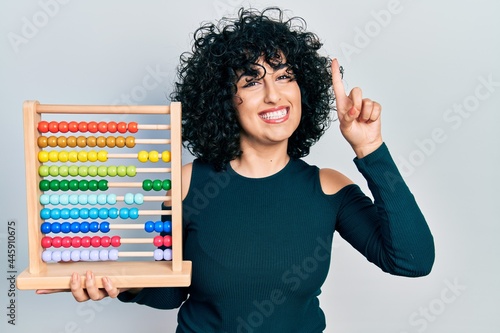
208 74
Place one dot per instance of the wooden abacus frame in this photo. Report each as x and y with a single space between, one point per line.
123 274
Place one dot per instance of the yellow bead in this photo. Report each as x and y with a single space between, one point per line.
153 156
82 156
165 156
63 156
92 156
142 156
73 156
43 156
53 156
102 156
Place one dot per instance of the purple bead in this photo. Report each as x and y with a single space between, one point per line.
167 254
158 254
47 255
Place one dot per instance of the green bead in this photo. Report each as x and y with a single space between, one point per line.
93 185
43 171
121 170
83 171
102 171
112 170
54 170
103 185
44 185
166 185
92 171
157 185
73 171
54 185
147 185
84 185
64 185
63 171
131 171
73 185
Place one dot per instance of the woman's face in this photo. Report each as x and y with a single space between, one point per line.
268 105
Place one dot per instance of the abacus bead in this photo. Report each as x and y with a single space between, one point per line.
103 213
81 141
45 228
102 127
61 142
113 254
43 156
84 227
63 127
157 185
124 213
110 142
65 213
75 255
71 141
154 156
53 156
73 156
75 227
92 127
56 242
73 199
43 171
94 255
82 199
94 226
55 227
104 227
47 256
102 171
165 156
54 185
92 199
74 213
167 241
147 185
92 170
82 156
149 226
44 185
166 184
93 213
84 213
53 127
86 241
76 241
46 242
54 170
112 127
142 156
64 185
52 141
73 185
63 170
104 255
139 198
82 126
93 185
113 213
92 156
45 213
115 241
158 254
132 127
54 199
73 126
121 127
44 199
158 226
91 141
121 170
95 241
42 142
105 241
167 226
83 185
101 141
66 242
73 170
84 255
66 255
129 198
112 171
133 213
111 199
158 241
130 142
120 141
65 227
131 171
101 199
43 127
167 254
102 156
56 256
63 156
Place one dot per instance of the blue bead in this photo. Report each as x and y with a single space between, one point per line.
158 226
84 227
94 226
84 213
133 213
104 227
45 228
149 226
55 227
65 213
167 226
65 227
75 227
113 213
55 213
103 213
45 213
74 213
93 213
124 213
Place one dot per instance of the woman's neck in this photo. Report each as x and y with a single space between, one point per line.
259 163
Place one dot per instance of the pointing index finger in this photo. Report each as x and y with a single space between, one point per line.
338 86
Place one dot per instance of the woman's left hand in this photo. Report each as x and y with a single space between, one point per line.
359 117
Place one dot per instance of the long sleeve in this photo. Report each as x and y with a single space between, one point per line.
391 231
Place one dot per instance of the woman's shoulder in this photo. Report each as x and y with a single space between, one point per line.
332 180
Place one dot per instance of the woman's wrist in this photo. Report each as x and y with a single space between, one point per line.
367 149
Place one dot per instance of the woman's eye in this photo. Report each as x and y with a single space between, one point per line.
250 84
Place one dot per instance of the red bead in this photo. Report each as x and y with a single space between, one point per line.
96 241
63 127
105 241
122 127
76 241
86 241
92 127
46 242
112 127
54 127
115 241
132 127
43 127
82 126
167 241
73 126
66 242
102 127
158 241
56 242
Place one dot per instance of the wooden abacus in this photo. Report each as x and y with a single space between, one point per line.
52 269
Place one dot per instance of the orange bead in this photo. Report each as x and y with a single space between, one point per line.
91 141
101 141
61 141
52 141
71 141
81 141
42 141
130 142
120 141
110 141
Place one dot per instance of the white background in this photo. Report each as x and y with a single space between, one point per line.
422 62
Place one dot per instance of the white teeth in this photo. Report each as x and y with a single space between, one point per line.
273 115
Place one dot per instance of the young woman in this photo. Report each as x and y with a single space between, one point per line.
258 220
